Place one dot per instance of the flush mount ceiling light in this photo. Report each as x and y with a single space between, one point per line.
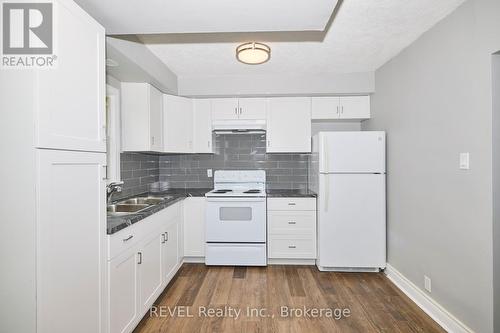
253 53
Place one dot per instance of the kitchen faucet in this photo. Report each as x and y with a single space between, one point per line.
112 188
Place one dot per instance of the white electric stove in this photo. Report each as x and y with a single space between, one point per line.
236 219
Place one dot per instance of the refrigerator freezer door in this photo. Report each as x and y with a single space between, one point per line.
351 221
351 152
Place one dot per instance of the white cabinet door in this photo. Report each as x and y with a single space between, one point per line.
252 108
150 270
170 250
202 125
355 107
141 115
70 241
289 125
325 108
70 98
155 118
177 124
123 300
224 108
194 226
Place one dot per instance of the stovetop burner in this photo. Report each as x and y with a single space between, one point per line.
222 191
252 191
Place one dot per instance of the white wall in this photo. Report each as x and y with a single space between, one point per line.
262 85
136 63
434 101
496 188
325 126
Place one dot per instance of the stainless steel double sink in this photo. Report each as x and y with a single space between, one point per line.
134 205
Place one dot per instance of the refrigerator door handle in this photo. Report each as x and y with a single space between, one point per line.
325 155
327 191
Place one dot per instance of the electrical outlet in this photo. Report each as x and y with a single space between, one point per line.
427 283
209 173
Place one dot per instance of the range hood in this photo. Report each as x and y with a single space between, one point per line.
240 126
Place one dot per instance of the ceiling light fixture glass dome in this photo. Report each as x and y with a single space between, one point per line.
253 53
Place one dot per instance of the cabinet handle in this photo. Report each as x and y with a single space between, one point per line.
163 238
292 222
338 110
208 142
292 247
152 140
291 204
342 110
166 236
235 111
128 238
269 143
240 111
140 258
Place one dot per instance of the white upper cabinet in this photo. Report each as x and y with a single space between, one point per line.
70 98
345 107
224 109
238 108
177 124
252 108
202 125
355 107
325 108
141 112
289 125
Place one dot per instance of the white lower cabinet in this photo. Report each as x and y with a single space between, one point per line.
150 270
291 229
170 250
123 282
139 269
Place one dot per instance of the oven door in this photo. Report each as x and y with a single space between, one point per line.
236 220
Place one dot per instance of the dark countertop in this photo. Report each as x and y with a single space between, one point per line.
291 194
117 223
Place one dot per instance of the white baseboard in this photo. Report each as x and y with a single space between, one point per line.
445 319
194 260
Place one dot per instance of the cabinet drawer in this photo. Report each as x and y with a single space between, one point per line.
292 223
292 247
123 240
291 204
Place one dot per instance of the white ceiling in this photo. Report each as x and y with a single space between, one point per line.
193 16
363 36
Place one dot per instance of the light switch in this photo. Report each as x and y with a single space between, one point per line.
209 173
464 161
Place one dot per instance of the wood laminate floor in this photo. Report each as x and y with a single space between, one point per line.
367 302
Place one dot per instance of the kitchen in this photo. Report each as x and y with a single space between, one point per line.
308 169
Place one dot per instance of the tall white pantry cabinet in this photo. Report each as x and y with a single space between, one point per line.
53 207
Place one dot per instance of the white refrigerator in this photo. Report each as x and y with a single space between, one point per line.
347 172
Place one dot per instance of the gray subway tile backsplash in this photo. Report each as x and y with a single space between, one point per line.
233 151
138 171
